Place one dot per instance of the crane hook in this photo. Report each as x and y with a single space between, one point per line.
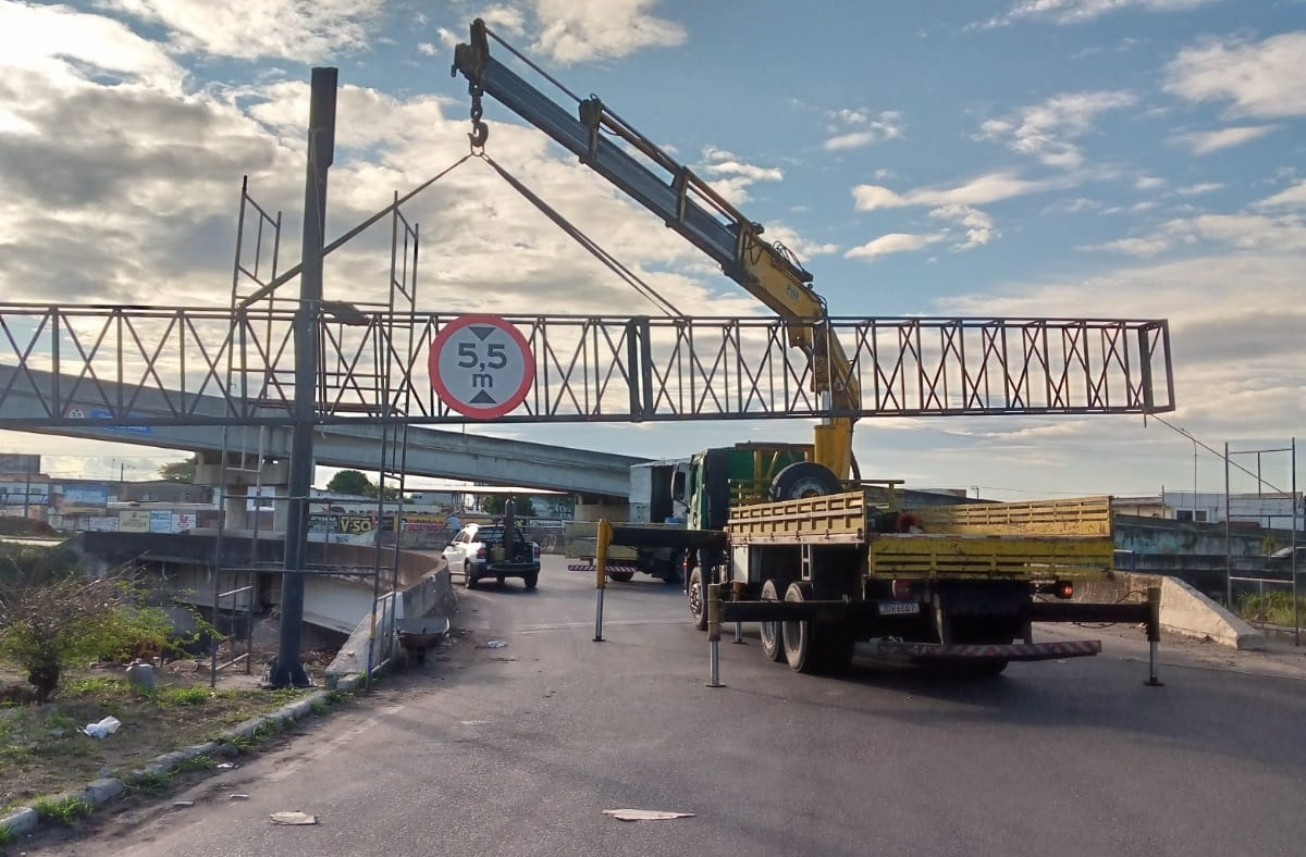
479 134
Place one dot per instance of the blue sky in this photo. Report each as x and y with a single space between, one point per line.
1137 158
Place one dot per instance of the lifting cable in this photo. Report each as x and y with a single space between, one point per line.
585 241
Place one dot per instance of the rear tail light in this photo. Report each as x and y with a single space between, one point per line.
1065 589
480 552
535 550
902 590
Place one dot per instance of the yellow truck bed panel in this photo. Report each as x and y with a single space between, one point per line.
987 556
825 519
1055 538
1082 516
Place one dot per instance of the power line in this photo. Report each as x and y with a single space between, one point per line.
1186 433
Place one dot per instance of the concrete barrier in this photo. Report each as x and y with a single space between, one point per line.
1184 610
432 595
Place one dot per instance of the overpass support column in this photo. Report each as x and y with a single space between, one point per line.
239 480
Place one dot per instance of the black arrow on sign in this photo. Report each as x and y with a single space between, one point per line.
481 331
483 398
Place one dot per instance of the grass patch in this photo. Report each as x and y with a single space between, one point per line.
150 782
62 810
186 696
7 837
43 750
196 763
1274 608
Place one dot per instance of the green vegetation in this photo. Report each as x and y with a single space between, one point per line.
47 624
359 484
7 837
43 750
150 782
495 504
1273 608
185 695
180 471
62 810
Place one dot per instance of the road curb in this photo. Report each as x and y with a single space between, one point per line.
24 820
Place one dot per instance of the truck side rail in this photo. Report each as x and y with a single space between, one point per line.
828 519
988 556
1081 516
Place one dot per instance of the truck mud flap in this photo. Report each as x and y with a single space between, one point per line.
987 652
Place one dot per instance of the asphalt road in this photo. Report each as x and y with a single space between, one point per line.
518 750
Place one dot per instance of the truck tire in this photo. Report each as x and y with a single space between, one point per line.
621 576
773 645
799 643
697 593
532 580
815 647
469 579
804 479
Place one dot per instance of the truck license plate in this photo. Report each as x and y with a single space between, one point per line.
899 608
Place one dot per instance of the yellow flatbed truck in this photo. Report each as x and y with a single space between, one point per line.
959 587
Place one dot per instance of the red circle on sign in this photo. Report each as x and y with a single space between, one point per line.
465 408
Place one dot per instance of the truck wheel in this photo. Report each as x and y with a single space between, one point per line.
469 579
799 645
532 580
804 479
621 576
697 599
773 645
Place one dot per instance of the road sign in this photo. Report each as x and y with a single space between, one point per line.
481 366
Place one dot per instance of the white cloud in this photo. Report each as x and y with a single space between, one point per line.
869 197
1047 130
1238 232
60 45
855 129
1149 183
894 242
302 30
1236 354
733 176
981 190
427 49
1073 206
1078 11
1258 78
448 38
1200 188
978 225
1135 246
505 19
1206 142
575 31
1293 196
800 246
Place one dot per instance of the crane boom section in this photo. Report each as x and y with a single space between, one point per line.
690 206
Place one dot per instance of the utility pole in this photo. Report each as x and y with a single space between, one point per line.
287 671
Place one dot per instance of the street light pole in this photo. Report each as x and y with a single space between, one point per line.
287 671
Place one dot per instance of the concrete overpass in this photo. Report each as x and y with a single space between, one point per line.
431 452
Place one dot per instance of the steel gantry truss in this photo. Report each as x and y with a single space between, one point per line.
172 365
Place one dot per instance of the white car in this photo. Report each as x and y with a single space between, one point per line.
479 552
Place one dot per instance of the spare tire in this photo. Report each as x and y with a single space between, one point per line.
804 479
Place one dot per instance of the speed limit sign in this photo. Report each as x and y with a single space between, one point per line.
481 366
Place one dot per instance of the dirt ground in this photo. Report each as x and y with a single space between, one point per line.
43 750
